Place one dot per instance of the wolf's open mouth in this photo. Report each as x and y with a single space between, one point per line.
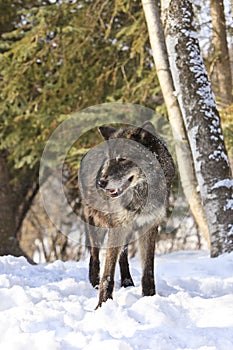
116 192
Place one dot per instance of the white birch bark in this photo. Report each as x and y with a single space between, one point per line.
202 122
183 153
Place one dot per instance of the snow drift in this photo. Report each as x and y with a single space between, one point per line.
51 306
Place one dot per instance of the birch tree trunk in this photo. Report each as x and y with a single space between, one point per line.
222 66
151 10
202 122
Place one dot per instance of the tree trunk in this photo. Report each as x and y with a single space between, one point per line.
222 66
202 123
8 223
184 158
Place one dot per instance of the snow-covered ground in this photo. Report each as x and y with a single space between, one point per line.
51 306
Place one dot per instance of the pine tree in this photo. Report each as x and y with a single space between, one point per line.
57 59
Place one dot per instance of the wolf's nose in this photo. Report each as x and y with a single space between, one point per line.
102 183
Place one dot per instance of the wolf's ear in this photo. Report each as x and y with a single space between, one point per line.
106 131
148 126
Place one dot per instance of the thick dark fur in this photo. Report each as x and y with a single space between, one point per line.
136 197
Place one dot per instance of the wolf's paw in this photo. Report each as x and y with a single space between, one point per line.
94 280
127 282
147 292
95 283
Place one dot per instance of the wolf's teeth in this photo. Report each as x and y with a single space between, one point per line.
113 191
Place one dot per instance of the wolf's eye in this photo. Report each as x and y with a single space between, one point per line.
120 159
130 179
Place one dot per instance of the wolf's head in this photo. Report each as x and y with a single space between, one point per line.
118 174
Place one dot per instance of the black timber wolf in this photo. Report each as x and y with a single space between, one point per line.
125 187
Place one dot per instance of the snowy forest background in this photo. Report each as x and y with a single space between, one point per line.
60 57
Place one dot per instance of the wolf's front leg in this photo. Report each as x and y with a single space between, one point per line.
94 267
107 281
126 279
147 247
